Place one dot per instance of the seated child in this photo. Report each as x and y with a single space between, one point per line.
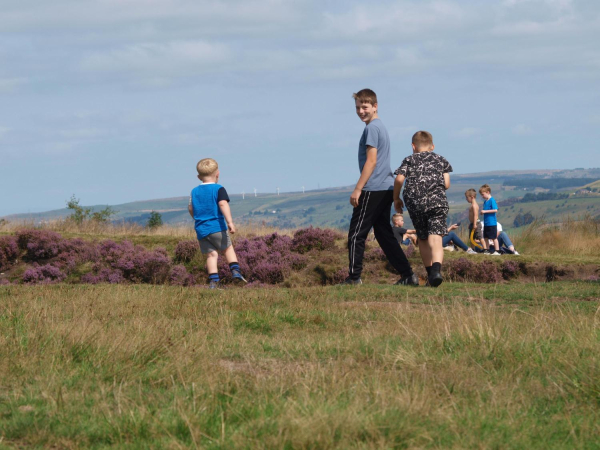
209 206
403 235
427 177
490 208
452 239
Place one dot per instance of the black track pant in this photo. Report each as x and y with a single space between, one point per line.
373 210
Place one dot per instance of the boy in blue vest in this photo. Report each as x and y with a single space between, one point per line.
490 228
209 206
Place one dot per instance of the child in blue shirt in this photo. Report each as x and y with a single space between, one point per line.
209 206
490 223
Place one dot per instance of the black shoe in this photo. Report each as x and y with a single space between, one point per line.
435 279
351 282
410 280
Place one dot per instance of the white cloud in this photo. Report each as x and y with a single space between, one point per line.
522 130
467 132
10 84
152 58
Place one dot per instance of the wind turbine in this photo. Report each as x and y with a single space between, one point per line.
243 195
303 189
255 192
277 192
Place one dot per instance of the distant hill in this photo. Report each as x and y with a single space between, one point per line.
330 207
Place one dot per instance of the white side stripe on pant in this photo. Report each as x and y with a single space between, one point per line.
361 218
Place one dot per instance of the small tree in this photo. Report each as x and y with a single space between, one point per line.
81 214
155 220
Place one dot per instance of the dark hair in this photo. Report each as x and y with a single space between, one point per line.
366 96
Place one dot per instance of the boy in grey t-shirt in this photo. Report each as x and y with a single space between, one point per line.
372 196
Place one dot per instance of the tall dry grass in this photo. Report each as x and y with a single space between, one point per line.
124 229
571 237
387 367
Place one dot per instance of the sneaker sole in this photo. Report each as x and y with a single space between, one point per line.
238 280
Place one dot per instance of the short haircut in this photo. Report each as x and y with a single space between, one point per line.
471 193
206 167
397 215
422 139
485 188
366 96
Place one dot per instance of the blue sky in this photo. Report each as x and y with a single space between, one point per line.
116 100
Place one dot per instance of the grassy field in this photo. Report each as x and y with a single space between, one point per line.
464 366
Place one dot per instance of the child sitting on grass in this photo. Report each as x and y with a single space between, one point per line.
209 206
403 235
489 210
427 177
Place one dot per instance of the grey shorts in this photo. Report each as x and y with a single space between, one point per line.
216 242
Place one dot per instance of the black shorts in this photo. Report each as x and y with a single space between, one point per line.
430 222
490 231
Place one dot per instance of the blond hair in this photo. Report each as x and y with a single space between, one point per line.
206 167
471 193
485 188
422 139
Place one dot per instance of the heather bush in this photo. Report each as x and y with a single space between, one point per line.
266 259
409 251
9 251
487 272
462 269
39 244
375 254
179 276
45 274
4 282
103 275
186 250
136 264
311 238
510 269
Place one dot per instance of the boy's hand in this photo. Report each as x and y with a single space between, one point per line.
399 205
355 197
231 227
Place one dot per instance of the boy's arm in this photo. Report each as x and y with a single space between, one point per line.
488 211
398 203
366 173
447 181
224 207
191 210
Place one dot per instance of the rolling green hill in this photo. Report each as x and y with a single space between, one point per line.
330 207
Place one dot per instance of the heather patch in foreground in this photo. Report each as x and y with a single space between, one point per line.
464 366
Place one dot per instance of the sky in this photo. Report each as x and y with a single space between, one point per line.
116 100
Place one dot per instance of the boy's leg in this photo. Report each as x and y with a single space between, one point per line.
212 259
360 224
385 235
234 267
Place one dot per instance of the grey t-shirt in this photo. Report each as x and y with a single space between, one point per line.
375 135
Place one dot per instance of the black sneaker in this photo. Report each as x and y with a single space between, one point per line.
351 282
410 280
435 279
